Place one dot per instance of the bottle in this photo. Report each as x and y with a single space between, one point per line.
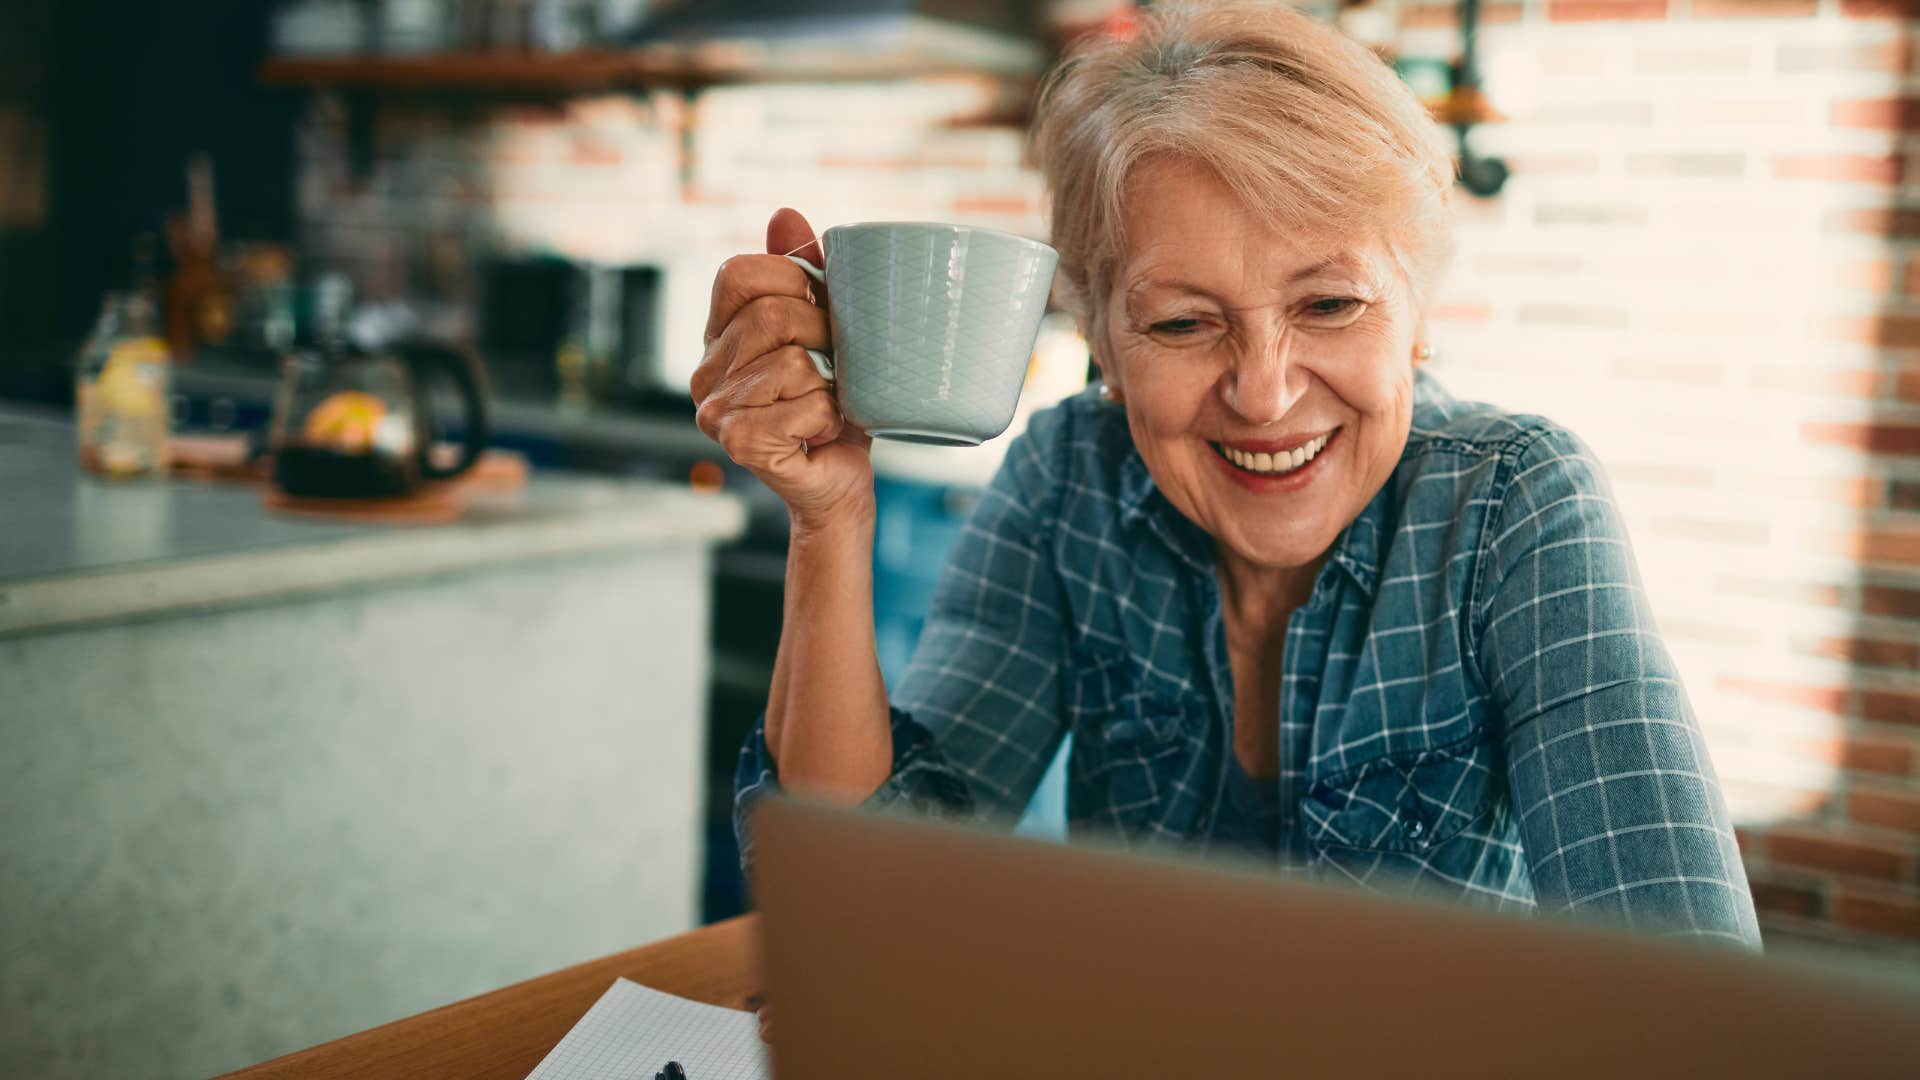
575 361
199 297
122 389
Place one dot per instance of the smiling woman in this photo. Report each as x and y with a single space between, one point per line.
1286 594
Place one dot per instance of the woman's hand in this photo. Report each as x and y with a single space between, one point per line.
766 1023
758 393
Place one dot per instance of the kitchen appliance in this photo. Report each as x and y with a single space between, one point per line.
580 334
355 422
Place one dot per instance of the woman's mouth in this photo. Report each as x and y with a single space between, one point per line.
1270 470
1274 464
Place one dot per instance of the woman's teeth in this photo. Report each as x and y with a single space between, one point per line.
1274 464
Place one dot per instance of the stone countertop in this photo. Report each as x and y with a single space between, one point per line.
75 549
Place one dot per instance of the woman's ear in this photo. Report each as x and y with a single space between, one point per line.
1110 388
1102 356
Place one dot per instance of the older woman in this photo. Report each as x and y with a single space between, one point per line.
1287 595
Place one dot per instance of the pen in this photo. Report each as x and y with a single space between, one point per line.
673 1071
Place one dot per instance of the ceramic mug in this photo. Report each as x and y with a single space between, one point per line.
933 326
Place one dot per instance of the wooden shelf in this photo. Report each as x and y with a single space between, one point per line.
574 72
507 71
586 72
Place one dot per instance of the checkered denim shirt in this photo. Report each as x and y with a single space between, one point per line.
1475 698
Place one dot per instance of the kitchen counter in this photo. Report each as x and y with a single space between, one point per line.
76 549
269 781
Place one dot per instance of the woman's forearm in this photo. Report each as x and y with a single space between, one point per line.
827 723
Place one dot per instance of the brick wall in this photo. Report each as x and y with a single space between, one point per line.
664 178
1704 265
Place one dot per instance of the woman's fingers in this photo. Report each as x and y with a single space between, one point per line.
772 439
766 1024
745 278
789 233
768 322
762 325
784 373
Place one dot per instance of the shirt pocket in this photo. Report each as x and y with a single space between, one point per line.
1407 808
1133 752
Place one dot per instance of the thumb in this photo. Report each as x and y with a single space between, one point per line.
789 234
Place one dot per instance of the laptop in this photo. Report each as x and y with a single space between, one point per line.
906 948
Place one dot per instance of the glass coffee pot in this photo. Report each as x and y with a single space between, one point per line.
355 422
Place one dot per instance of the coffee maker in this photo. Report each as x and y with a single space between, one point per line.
576 333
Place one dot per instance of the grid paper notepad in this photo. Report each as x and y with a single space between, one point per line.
633 1031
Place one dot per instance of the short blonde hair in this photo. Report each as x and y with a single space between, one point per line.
1304 124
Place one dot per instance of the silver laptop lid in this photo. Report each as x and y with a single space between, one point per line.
905 948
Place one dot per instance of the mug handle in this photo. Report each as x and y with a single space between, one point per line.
427 359
822 362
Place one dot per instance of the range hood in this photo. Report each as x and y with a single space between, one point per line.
804 38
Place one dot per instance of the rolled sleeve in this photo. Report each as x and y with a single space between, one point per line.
1620 811
919 778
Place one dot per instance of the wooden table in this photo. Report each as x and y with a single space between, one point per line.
505 1033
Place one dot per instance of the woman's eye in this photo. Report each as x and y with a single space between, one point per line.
1176 327
1333 306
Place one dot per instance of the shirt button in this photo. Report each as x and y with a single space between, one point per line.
1416 828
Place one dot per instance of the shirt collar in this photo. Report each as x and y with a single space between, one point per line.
1141 501
1361 547
1137 490
1357 549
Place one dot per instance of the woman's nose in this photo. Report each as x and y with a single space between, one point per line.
1265 381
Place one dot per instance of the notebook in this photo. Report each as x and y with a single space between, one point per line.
633 1031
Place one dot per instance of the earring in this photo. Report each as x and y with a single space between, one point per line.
1109 394
1423 354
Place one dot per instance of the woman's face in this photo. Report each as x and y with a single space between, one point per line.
1269 393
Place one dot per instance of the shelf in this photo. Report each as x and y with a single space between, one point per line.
666 66
1467 106
471 71
658 65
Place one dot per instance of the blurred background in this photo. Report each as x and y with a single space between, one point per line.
278 772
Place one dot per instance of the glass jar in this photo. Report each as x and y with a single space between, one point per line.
122 389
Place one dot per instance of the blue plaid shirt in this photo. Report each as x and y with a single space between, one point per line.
1475 698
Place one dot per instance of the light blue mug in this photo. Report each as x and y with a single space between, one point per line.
933 326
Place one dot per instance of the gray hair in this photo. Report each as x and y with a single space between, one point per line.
1305 125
